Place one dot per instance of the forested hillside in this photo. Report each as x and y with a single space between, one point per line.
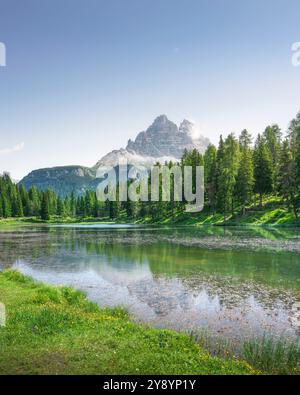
239 174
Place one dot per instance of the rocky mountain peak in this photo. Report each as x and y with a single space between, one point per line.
162 123
164 138
186 127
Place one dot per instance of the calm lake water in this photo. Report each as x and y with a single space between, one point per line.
236 282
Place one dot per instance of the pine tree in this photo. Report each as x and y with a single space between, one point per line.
297 155
72 205
52 198
227 173
60 209
263 169
219 167
80 207
88 204
96 209
6 207
45 210
287 177
245 176
34 201
293 134
67 206
17 207
294 140
272 138
25 201
210 176
1 206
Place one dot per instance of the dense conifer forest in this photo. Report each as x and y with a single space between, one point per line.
239 174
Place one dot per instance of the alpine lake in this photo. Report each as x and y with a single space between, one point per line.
236 282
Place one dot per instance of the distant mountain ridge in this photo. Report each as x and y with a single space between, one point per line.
62 179
162 141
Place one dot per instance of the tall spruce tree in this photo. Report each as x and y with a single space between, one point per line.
35 202
263 169
210 176
60 208
17 206
72 205
245 175
45 209
294 141
287 185
272 137
227 173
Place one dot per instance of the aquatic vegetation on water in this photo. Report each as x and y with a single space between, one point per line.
268 354
273 355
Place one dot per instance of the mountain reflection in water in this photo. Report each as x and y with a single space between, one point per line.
211 279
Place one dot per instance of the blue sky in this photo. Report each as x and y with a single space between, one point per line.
82 77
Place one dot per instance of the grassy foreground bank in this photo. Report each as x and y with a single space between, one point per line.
56 330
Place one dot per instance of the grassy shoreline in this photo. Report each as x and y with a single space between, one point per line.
56 330
183 220
272 215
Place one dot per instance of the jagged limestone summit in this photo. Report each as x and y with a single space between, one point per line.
162 141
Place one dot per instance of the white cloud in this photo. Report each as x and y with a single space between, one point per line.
16 148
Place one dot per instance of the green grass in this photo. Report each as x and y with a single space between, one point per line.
275 356
269 354
23 221
56 330
272 214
